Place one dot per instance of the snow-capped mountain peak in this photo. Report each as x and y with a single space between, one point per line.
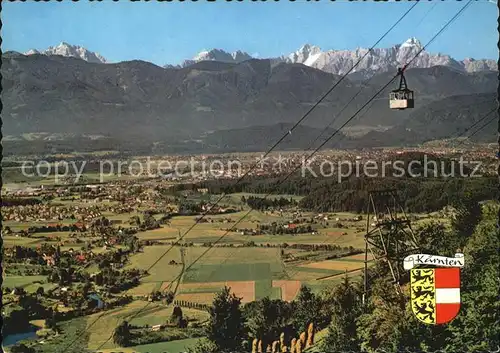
239 56
203 54
309 49
68 50
218 55
307 55
412 42
31 52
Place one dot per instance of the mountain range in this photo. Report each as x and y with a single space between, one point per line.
181 109
333 61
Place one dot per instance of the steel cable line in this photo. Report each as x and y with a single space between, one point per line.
282 138
318 102
311 145
320 207
362 86
316 150
477 122
295 126
482 127
335 132
426 14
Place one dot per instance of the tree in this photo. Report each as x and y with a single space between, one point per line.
176 317
40 291
204 346
434 238
169 297
122 335
104 264
266 319
51 320
225 327
467 217
477 326
64 276
99 279
149 221
308 309
380 327
345 305
87 286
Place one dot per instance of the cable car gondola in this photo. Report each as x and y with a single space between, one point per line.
401 98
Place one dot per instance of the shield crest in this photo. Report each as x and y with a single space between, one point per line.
435 292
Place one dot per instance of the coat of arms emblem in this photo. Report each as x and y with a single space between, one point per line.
435 292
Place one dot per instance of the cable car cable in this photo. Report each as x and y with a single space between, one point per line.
293 171
290 130
317 149
330 137
477 122
461 134
483 126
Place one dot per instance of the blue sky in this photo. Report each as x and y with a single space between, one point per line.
171 32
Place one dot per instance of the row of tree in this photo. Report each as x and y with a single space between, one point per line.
261 203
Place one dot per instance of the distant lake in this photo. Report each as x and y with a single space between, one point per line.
9 340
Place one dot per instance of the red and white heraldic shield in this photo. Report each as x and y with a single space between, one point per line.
435 294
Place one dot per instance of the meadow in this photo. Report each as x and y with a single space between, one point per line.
261 268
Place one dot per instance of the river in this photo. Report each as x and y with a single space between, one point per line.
9 340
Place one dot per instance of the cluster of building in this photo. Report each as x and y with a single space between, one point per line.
45 212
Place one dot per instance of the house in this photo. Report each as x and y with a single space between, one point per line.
80 226
112 240
157 327
49 260
81 258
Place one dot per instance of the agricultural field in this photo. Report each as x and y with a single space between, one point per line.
162 271
252 273
218 230
254 264
137 313
25 282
